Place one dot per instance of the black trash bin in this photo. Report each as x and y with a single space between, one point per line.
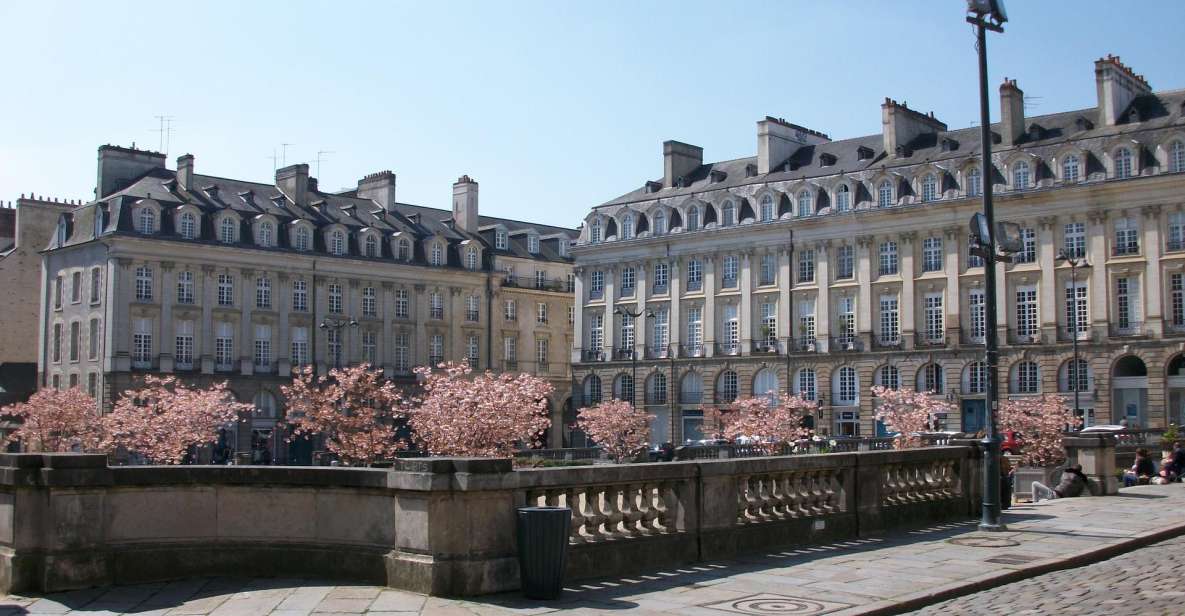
543 550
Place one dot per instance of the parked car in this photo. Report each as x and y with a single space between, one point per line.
1013 441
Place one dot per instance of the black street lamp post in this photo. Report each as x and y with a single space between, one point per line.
1074 262
336 326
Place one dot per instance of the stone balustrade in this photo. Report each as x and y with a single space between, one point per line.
446 525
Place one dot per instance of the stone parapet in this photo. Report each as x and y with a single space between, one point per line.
445 526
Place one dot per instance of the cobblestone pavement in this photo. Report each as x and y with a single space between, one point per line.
842 579
1145 582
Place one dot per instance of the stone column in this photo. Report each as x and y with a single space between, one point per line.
206 287
1051 298
1002 314
121 286
785 310
419 312
864 306
388 338
1153 287
168 294
823 301
321 359
710 290
578 317
674 317
950 301
352 336
908 302
246 333
641 324
745 311
1096 237
454 315
281 339
609 331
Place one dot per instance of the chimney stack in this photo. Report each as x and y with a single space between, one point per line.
380 187
119 167
901 125
465 204
1012 112
185 171
777 140
293 181
1117 86
679 160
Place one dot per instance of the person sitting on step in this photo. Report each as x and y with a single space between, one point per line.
1073 483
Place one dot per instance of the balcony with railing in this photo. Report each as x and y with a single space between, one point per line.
1023 336
728 348
1067 334
542 368
1173 328
660 289
935 341
695 285
887 342
623 354
767 347
592 355
656 397
540 284
1128 329
1174 244
846 342
805 344
1125 249
691 350
728 283
725 397
662 351
595 293
969 338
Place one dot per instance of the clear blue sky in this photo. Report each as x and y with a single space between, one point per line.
553 106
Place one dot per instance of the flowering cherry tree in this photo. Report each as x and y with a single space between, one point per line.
907 412
355 409
771 422
1041 422
487 415
619 428
163 418
55 420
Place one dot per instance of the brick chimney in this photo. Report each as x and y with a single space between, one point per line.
119 167
1117 86
1012 111
777 140
293 181
465 204
185 171
679 160
901 125
379 187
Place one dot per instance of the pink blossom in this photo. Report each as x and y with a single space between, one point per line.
617 427
770 424
907 412
1040 422
355 409
56 420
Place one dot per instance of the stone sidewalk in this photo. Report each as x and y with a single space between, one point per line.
884 575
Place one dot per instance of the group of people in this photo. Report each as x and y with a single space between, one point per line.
1145 470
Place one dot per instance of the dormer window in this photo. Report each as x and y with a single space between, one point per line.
471 260
767 208
1020 175
843 198
187 225
227 232
146 221
863 153
827 160
884 194
501 241
564 247
728 216
1123 163
653 187
533 244
1036 132
211 192
404 249
100 219
437 256
302 239
594 232
337 242
717 176
63 234
949 145
929 187
806 205
372 246
1070 168
627 226
692 218
267 234
750 170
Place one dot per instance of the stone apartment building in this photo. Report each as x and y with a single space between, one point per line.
169 271
26 227
825 267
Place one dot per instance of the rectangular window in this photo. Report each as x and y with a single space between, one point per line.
541 313
570 283
472 312
1028 253
76 288
370 302
143 284
224 346
435 305
596 285
75 340
806 265
1077 319
226 290
695 329
661 331
975 303
263 293
471 351
571 315
806 321
890 320
92 385
183 346
370 347
731 270
333 345
1074 242
1127 304
628 281
402 304
845 262
402 352
1177 298
731 329
510 352
300 296
542 350
769 270
93 347
935 317
57 290
888 258
1127 237
96 284
435 349
142 343
695 275
335 298
845 322
510 310
1026 312
596 332
263 348
625 333
661 278
540 279
1175 240
769 324
300 346
185 294
932 254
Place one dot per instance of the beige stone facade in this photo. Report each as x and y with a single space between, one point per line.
215 279
826 267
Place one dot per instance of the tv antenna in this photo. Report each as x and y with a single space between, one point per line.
284 153
275 160
320 158
166 131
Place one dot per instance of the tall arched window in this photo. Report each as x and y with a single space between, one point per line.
765 383
929 187
975 378
1020 175
726 386
627 226
1026 377
691 388
372 245
304 239
404 249
656 388
845 390
974 182
337 242
1075 375
806 385
226 230
692 218
267 234
728 214
623 388
592 389
931 379
767 208
1123 163
471 258
843 198
1070 168
806 203
1177 157
187 226
884 194
147 222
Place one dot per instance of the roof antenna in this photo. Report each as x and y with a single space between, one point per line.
319 157
166 131
284 153
275 160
